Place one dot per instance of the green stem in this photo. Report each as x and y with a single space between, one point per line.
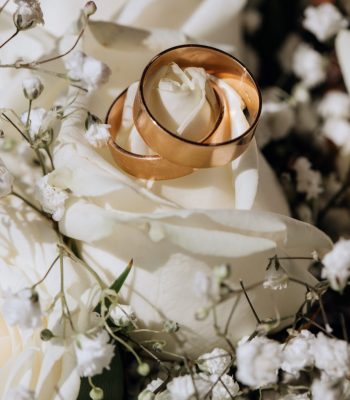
250 303
16 127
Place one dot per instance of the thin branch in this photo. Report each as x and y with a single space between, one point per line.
250 303
65 53
10 38
16 127
4 5
47 272
30 204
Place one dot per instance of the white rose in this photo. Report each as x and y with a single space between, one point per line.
199 223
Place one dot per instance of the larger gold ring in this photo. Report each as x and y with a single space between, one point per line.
185 152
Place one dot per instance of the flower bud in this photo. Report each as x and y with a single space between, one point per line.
46 335
146 395
96 393
171 326
90 8
32 87
28 15
222 272
143 369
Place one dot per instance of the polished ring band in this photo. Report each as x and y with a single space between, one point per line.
184 152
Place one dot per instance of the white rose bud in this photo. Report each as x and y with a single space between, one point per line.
32 87
184 102
28 14
6 180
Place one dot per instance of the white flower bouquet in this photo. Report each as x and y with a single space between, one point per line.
222 283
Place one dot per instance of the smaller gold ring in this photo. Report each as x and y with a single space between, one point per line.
140 166
184 152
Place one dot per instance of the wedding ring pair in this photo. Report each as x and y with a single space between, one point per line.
176 156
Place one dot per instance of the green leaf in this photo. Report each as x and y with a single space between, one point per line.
119 282
110 381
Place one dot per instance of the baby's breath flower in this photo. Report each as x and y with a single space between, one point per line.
226 388
28 14
6 180
97 135
308 65
170 326
309 181
275 277
325 389
32 87
186 387
335 104
23 309
297 354
93 353
324 21
215 362
337 265
122 315
51 198
88 70
337 130
331 356
258 361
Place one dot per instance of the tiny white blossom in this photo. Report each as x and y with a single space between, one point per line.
325 389
6 180
22 309
258 362
275 278
337 265
276 121
90 8
215 362
324 21
28 14
300 94
32 87
93 353
308 65
97 135
21 393
335 104
185 387
51 198
122 315
88 70
337 130
36 118
309 181
226 387
297 353
331 356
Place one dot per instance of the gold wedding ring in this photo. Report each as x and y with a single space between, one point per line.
138 165
176 155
